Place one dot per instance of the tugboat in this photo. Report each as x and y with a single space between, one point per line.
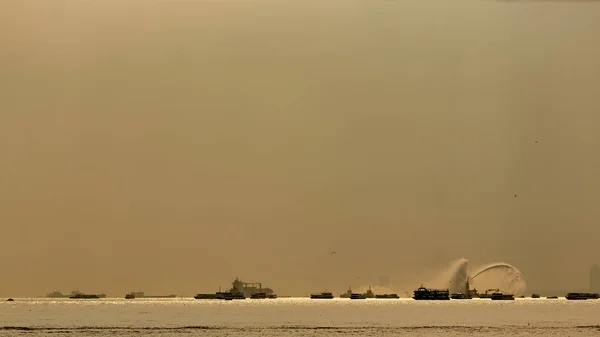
498 296
322 296
423 293
461 296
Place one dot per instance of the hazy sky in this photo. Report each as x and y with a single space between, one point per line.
173 145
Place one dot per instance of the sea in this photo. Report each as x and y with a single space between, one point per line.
298 317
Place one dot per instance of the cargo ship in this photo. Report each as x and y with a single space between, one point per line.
140 294
79 295
240 290
499 296
581 296
322 296
423 293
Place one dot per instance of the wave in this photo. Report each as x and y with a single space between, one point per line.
299 327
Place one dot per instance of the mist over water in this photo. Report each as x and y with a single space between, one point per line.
503 276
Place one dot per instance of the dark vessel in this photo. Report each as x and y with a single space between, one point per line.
206 296
258 296
461 296
79 295
247 289
423 293
10 300
239 291
229 295
488 293
535 295
387 296
552 297
129 296
581 296
56 294
498 296
356 296
322 296
347 294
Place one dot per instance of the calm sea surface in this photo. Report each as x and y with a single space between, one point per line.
298 317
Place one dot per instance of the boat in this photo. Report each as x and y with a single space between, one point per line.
473 293
369 293
10 300
499 296
347 294
56 294
129 296
322 296
79 295
141 294
357 296
423 293
535 295
258 296
249 288
488 293
239 291
229 295
206 296
461 296
552 297
387 296
582 296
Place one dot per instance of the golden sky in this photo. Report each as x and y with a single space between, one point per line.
173 145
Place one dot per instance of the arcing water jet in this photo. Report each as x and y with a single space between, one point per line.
508 279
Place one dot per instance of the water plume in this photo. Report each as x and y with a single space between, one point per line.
503 276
